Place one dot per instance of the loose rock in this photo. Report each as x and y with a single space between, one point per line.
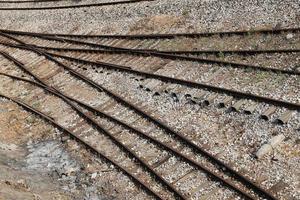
266 148
94 175
289 36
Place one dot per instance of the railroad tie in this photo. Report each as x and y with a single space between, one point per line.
285 117
267 113
250 109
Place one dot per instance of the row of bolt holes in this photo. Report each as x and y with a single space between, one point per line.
174 95
188 97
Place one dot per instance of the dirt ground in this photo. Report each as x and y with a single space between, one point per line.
18 180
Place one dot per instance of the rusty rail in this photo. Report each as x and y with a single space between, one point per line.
106 132
161 54
77 6
31 1
173 56
165 35
194 52
140 133
193 84
85 144
223 166
234 93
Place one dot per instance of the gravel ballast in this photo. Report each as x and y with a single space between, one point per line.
158 16
245 142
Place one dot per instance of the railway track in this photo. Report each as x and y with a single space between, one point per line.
203 97
120 51
161 36
118 117
97 125
172 54
145 47
233 99
123 124
165 146
82 141
73 6
31 1
169 55
130 105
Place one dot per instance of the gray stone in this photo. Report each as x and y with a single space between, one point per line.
266 148
94 175
289 36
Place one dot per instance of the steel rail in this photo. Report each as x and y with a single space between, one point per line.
140 133
77 6
32 1
193 52
106 132
229 51
178 57
224 51
171 56
158 122
85 144
167 35
234 93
